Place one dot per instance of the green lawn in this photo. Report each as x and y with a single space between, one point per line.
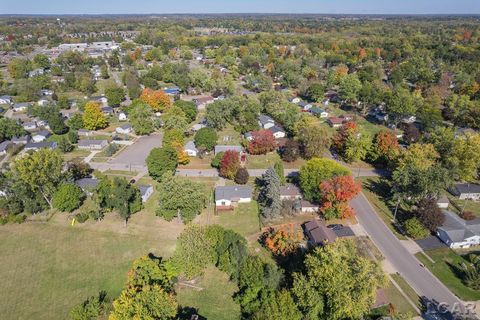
405 307
444 269
76 153
244 219
213 298
229 136
377 194
262 161
467 205
398 300
48 267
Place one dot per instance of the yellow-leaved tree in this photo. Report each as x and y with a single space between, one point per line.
157 99
93 117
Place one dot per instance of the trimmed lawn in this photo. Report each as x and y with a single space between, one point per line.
48 267
262 161
446 260
76 153
457 205
398 300
214 299
244 219
409 292
229 136
376 193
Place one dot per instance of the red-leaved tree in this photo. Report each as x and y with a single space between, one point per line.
230 164
262 142
335 194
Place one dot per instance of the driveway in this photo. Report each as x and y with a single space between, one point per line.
136 153
419 278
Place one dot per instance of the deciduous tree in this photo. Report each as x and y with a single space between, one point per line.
156 99
230 164
262 142
93 117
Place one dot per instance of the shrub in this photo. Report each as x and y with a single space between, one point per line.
468 215
68 198
415 229
111 149
241 177
216 160
81 217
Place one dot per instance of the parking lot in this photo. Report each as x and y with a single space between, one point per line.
138 152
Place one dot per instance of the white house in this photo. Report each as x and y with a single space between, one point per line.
19 107
295 100
318 112
145 191
308 207
466 191
92 144
459 233
122 116
277 132
226 196
41 135
5 100
190 149
290 192
409 120
124 129
201 102
443 202
32 125
43 102
265 122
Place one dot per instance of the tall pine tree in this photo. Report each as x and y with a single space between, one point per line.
269 196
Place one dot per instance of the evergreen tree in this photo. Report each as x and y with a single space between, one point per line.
269 197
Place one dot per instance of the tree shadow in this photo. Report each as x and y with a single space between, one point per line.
189 313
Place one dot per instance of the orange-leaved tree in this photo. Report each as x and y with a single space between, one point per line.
158 100
335 194
282 241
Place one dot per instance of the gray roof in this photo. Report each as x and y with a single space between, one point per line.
467 188
24 138
126 126
40 145
43 133
144 188
289 190
231 192
221 148
87 143
87 183
459 229
190 145
263 119
4 145
275 128
21 104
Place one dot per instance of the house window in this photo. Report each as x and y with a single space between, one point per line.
224 203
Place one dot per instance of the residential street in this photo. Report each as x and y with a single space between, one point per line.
422 281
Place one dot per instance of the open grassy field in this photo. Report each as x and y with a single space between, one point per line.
214 300
446 260
48 267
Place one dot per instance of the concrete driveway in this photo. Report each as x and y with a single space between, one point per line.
136 153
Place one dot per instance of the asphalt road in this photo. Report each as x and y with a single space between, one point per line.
421 280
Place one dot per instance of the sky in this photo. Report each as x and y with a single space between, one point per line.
239 6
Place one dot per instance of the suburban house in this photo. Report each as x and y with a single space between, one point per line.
201 102
145 191
190 149
316 111
122 116
465 191
227 196
43 102
46 92
409 120
443 202
4 146
87 184
335 122
92 144
290 192
41 135
305 105
19 107
221 148
198 126
295 100
101 99
36 72
108 111
40 145
21 140
265 122
5 100
172 91
459 233
277 132
124 129
308 207
85 132
318 234
31 125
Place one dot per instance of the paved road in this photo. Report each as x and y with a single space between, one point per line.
259 172
136 153
421 280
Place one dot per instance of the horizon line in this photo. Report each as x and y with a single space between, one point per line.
238 13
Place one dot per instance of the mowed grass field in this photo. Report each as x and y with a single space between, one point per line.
48 267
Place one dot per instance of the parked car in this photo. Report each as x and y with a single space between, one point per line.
335 226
